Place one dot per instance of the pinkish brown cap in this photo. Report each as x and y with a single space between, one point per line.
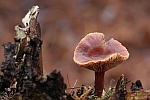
94 53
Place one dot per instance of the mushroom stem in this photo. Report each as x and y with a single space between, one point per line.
99 83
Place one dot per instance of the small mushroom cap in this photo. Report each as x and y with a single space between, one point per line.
94 53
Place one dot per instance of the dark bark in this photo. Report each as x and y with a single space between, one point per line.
22 69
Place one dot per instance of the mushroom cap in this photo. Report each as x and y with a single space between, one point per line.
94 53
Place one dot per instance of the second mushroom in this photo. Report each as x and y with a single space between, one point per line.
95 54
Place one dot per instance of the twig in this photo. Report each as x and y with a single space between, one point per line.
74 85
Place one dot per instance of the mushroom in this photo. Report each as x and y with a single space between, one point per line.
95 54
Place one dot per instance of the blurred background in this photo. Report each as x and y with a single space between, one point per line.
65 22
